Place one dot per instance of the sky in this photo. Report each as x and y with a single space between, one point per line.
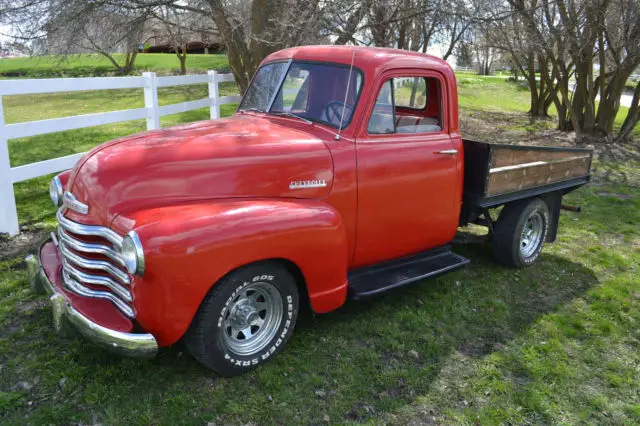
4 29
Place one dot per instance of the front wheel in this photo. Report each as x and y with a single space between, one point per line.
245 320
520 232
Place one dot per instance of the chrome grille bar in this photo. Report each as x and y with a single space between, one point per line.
93 264
90 230
81 290
89 247
73 251
97 280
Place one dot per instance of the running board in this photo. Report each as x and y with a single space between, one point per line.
372 280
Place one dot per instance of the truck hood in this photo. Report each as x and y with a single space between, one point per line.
241 156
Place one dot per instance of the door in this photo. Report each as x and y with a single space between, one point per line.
407 170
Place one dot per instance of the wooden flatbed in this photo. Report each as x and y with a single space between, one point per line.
496 174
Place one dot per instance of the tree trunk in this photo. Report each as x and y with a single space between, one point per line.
379 27
129 61
632 119
402 36
351 26
583 103
427 33
562 98
403 42
544 89
534 107
182 57
414 89
246 52
240 58
603 66
609 104
263 42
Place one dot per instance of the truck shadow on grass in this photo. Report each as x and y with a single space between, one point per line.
363 360
482 307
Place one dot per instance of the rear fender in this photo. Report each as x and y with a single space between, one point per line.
189 248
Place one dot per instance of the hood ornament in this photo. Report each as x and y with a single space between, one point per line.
301 184
69 200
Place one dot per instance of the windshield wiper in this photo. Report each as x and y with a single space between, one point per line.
290 114
284 113
252 109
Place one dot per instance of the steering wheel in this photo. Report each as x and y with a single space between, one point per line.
334 110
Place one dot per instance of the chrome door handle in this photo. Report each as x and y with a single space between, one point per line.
449 151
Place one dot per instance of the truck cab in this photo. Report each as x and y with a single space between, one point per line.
342 174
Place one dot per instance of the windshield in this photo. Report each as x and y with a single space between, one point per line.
313 91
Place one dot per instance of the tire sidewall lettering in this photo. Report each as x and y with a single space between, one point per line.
265 354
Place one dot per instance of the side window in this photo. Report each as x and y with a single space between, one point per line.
407 105
411 92
382 119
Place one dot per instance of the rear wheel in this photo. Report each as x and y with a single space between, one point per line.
520 232
245 320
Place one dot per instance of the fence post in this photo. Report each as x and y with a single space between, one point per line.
8 213
151 100
214 95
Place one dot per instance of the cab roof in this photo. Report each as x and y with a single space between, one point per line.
366 58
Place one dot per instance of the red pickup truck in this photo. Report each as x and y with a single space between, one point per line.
342 174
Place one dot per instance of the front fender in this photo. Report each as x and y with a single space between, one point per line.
188 248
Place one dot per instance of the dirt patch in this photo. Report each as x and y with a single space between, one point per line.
519 128
360 412
21 244
31 305
401 390
478 348
512 128
425 417
614 194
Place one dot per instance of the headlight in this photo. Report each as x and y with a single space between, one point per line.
55 191
132 254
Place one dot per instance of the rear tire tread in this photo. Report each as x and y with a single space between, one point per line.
506 237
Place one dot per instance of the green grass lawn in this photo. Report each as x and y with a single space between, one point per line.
485 93
556 343
490 94
87 65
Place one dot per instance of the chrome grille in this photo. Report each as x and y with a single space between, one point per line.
92 264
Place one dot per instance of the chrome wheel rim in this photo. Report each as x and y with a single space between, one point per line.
531 235
253 318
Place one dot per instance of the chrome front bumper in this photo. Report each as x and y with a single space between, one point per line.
66 318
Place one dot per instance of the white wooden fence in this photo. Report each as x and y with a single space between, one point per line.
151 112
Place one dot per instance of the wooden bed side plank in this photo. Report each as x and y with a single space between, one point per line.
504 156
502 182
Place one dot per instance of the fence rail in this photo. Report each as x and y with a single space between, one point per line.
151 112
